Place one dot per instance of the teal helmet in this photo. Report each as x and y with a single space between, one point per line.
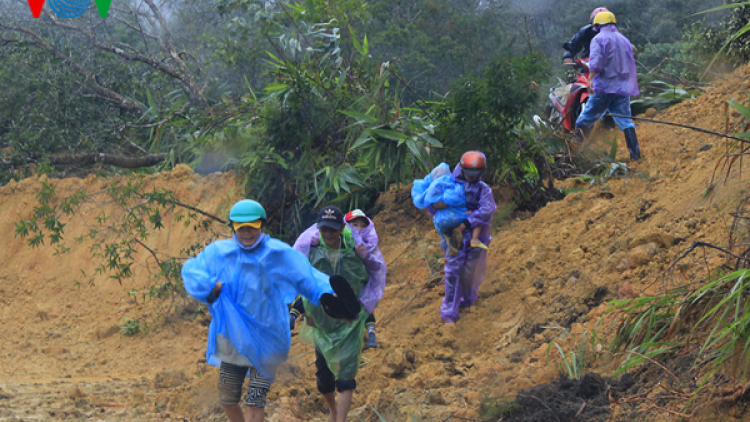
246 211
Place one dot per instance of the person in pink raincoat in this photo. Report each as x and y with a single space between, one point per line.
367 249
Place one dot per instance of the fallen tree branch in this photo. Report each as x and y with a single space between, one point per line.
664 409
108 159
92 83
695 128
220 220
707 245
153 253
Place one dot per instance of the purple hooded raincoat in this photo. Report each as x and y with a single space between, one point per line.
612 60
465 271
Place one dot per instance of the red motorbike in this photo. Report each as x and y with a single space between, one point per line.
566 102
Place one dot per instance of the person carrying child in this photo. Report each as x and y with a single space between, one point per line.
246 282
366 247
338 344
464 271
441 187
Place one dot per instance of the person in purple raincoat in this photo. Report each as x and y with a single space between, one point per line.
612 81
366 247
465 271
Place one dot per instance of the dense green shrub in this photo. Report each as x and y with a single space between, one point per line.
707 40
489 112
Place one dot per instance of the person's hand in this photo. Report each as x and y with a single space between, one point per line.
590 86
214 292
309 321
462 226
361 250
440 205
315 241
568 60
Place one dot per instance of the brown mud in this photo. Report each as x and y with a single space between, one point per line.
548 274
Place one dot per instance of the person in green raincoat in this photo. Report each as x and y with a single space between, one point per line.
338 343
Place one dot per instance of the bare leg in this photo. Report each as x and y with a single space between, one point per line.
330 399
255 414
234 413
344 402
475 232
475 242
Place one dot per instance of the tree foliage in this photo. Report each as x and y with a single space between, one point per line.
728 37
116 237
490 112
330 126
322 100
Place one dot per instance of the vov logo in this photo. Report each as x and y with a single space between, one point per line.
69 8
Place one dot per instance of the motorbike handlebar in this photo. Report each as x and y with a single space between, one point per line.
583 66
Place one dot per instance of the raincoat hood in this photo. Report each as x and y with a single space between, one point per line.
251 247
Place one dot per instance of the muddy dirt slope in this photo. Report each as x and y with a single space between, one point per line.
64 357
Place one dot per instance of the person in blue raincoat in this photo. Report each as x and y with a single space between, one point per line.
248 281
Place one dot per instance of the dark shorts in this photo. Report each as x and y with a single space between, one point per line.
231 379
327 382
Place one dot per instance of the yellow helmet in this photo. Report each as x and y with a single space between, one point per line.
604 18
596 12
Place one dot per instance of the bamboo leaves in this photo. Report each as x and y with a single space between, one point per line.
717 312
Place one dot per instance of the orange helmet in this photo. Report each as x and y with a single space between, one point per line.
473 163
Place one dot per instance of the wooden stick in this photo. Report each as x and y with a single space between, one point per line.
695 128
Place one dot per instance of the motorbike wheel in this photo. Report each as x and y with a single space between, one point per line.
576 111
553 116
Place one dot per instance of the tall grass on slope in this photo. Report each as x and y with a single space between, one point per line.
711 323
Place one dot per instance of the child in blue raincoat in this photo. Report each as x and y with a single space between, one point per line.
440 187
247 282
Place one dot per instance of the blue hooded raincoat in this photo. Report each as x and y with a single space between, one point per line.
258 282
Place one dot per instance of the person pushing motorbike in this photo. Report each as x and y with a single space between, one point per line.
581 41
